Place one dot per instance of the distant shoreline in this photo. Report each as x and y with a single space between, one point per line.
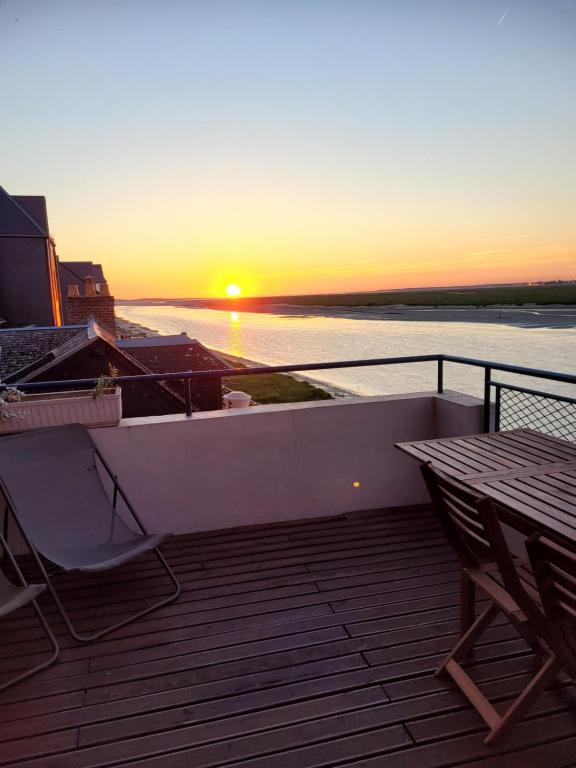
557 316
543 305
529 317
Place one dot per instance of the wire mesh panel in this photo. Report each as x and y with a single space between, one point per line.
517 408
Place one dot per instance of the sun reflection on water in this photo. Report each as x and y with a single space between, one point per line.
236 336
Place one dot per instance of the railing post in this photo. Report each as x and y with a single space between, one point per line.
188 397
487 382
440 386
5 559
498 389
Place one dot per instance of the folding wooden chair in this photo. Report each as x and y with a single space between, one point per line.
472 526
554 567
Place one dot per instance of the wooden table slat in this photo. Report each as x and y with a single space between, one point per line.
544 437
560 492
518 472
495 456
531 474
455 455
512 452
527 518
541 448
427 454
567 479
542 498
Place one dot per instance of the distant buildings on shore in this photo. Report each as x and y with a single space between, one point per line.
58 322
36 288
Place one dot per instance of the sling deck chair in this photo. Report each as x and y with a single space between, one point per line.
15 596
52 485
472 526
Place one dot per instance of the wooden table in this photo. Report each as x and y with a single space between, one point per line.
532 475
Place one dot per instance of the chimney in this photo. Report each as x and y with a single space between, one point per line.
89 286
91 306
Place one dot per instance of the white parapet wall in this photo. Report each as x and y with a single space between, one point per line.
221 469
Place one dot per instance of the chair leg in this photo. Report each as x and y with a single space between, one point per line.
467 602
50 660
546 673
88 638
530 636
469 638
498 724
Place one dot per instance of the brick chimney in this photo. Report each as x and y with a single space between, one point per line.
91 305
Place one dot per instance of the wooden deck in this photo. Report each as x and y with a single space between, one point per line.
292 646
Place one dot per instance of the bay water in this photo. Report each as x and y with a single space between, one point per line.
278 339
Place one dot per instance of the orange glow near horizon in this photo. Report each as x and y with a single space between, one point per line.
298 236
291 242
447 259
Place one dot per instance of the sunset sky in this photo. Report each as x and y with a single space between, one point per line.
296 146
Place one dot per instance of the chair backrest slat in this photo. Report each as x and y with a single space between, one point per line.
472 524
467 524
554 567
570 610
459 514
565 585
468 528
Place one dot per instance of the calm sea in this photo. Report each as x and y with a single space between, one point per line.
277 339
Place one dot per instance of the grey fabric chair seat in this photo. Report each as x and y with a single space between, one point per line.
64 499
102 557
13 597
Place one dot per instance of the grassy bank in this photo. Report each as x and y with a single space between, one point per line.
271 388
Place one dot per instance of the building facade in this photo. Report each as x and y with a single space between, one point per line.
29 280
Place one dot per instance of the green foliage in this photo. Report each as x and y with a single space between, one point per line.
276 388
271 388
10 395
105 383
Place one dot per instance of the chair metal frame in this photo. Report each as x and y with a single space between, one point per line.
9 557
510 597
117 491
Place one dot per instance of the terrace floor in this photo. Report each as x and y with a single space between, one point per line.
292 646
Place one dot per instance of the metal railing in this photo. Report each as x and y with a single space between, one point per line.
505 413
517 407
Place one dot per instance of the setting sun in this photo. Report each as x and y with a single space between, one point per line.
233 290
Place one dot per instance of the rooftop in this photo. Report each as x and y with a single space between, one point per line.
170 340
22 215
327 661
74 272
20 347
174 352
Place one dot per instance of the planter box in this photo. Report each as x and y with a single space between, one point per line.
54 409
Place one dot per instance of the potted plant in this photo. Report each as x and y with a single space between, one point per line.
97 407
